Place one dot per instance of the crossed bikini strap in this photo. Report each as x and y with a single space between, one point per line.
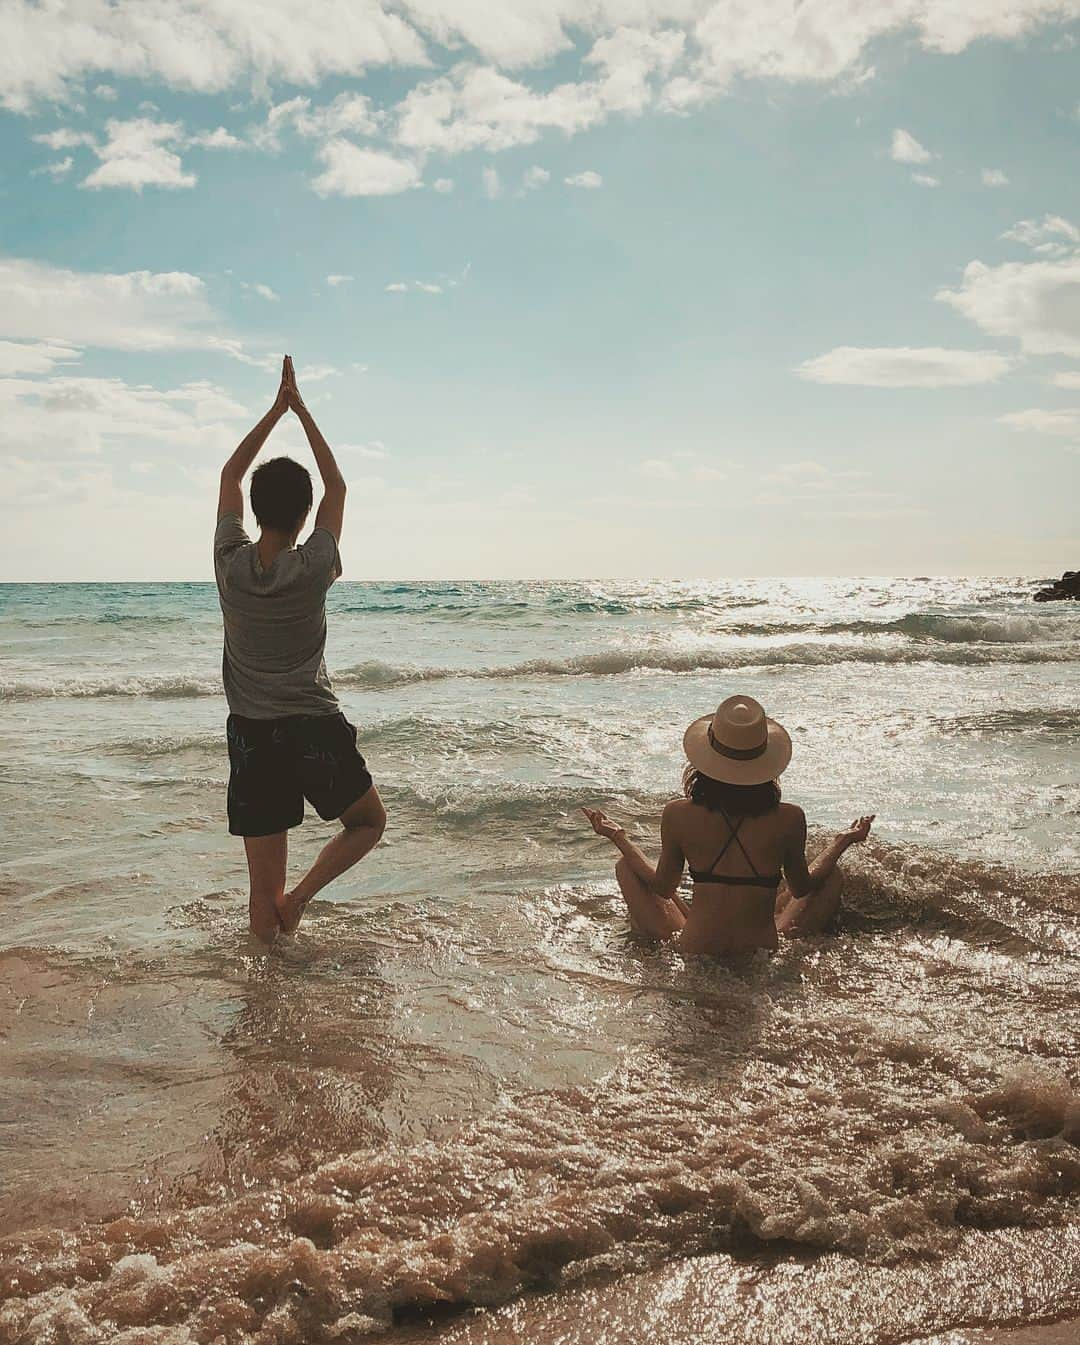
734 836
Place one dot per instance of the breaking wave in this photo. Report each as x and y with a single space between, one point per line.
616 662
607 663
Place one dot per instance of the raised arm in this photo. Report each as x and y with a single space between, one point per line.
805 879
331 514
661 878
230 496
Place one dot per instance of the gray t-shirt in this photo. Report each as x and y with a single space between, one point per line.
275 623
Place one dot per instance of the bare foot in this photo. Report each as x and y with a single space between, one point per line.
290 909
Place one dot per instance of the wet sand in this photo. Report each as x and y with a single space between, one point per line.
829 1300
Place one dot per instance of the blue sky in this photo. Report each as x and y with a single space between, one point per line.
651 288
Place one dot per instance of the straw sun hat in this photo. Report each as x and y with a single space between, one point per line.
739 745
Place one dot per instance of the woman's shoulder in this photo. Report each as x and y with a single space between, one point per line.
678 807
676 813
791 816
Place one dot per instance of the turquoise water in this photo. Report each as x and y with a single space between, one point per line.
464 1080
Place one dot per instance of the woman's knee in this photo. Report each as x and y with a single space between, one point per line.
623 870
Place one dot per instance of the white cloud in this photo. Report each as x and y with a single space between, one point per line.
491 183
209 46
205 47
1065 424
219 138
335 280
106 93
1035 303
477 107
263 291
808 479
905 367
352 171
421 286
315 373
1044 237
65 138
39 357
925 180
681 468
535 177
137 154
64 415
906 149
56 170
347 114
796 473
137 310
994 177
588 179
443 185
1070 378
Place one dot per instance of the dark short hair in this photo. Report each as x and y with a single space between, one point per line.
281 494
735 800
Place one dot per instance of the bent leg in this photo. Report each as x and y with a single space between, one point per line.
814 914
267 857
363 823
651 915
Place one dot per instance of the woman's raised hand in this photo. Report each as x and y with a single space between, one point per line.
859 829
603 826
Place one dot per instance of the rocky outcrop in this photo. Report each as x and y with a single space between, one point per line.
1068 586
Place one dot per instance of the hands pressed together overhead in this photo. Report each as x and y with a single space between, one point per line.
230 497
288 394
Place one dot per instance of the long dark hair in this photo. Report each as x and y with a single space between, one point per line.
735 800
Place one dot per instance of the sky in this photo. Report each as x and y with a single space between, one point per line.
575 288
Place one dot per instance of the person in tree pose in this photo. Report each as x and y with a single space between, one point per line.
288 739
746 851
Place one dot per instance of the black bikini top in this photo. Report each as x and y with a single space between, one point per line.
754 879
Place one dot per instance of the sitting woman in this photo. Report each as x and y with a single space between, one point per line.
738 840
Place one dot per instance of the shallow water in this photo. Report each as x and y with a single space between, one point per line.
464 1081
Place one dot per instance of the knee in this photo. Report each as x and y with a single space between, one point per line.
623 869
368 813
378 818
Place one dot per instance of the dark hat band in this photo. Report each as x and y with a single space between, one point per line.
737 753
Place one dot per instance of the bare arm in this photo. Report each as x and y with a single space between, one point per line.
331 514
661 878
230 496
803 879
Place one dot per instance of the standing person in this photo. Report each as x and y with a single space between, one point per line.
288 739
739 842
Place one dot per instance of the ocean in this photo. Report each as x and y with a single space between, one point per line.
464 1103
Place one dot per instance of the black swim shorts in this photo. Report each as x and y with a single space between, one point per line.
275 764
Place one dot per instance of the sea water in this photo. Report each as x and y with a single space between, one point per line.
464 1084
